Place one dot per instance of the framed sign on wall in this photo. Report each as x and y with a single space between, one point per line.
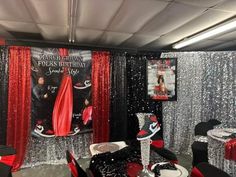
161 79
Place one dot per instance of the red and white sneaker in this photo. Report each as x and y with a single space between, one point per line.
84 85
39 129
150 127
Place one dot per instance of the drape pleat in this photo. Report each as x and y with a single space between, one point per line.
3 93
118 114
101 95
19 100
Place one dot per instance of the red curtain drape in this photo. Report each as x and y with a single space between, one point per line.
63 107
19 102
101 95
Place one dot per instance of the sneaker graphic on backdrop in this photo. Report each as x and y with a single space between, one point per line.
74 132
39 129
150 127
84 85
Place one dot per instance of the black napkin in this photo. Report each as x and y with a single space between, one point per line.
166 166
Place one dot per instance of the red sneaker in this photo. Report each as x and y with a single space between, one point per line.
150 127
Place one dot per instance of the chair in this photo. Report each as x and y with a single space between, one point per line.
206 170
214 122
7 157
157 145
199 148
76 170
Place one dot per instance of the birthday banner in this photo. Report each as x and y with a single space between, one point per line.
61 91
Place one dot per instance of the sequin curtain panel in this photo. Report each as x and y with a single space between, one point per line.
53 150
19 100
3 93
101 96
118 114
136 94
205 90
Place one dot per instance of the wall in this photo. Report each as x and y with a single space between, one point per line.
206 90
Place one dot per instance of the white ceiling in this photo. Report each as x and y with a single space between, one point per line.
142 24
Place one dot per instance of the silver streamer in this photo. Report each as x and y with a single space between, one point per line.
206 89
52 150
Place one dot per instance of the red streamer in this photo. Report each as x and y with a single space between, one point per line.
19 102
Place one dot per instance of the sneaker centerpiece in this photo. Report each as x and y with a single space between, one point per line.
84 85
150 127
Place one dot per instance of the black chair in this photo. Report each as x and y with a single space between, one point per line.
76 170
206 170
7 155
214 122
199 148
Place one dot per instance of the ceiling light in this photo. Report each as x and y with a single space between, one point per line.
227 26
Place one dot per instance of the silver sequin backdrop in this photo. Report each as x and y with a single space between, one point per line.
206 89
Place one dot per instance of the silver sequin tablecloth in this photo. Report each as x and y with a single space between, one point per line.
216 151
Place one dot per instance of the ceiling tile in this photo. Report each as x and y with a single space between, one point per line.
171 18
53 32
227 5
4 33
20 26
208 19
96 14
53 12
160 42
227 37
134 14
87 36
113 38
14 10
201 3
224 46
138 40
202 45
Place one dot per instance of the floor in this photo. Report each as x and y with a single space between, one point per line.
63 171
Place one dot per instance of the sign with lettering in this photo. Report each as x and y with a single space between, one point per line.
50 89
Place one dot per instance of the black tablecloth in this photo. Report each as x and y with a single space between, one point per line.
115 164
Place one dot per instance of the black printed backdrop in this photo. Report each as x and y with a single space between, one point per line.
48 65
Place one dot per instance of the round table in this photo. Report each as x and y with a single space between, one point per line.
106 147
216 150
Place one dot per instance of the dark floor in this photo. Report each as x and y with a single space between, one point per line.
63 171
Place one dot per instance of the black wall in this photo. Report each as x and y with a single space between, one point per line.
129 96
